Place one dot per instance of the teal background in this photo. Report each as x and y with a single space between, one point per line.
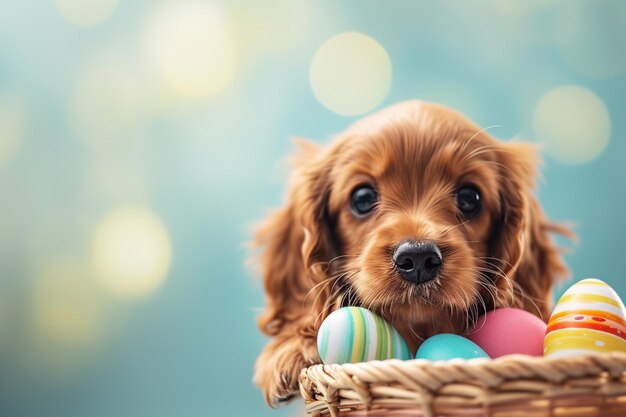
209 167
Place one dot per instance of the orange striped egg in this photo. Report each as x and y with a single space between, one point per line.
588 318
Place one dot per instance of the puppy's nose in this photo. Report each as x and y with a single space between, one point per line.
417 262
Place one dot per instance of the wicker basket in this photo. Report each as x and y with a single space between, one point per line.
511 386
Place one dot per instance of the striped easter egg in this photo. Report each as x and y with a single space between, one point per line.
355 334
588 318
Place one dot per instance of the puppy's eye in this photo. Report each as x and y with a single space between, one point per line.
468 201
363 199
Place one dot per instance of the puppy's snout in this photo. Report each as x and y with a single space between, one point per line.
417 262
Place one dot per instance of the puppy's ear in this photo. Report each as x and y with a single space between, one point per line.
521 235
294 242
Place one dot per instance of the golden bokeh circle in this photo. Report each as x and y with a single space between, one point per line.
189 46
131 252
350 73
573 124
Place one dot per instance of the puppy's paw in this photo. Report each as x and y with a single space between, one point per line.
279 366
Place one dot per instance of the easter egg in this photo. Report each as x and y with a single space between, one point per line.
507 331
446 346
355 334
588 318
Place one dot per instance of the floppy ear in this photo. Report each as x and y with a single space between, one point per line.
521 236
295 243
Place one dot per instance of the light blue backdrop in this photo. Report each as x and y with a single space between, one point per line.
89 125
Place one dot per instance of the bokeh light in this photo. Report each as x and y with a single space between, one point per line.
104 104
188 43
350 73
12 125
86 12
67 309
131 252
257 36
573 124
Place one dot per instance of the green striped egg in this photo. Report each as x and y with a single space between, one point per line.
355 334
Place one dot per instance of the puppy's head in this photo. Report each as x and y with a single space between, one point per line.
415 213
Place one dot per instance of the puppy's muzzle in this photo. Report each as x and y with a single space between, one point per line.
417 262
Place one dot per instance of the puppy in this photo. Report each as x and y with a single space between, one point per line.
414 213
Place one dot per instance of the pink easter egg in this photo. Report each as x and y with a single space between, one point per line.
507 331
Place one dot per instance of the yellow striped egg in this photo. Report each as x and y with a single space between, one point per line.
588 318
355 334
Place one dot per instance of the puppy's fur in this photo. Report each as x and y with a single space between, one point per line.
316 255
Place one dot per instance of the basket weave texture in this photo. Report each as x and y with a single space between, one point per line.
511 386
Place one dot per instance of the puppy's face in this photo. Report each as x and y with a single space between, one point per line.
414 213
416 201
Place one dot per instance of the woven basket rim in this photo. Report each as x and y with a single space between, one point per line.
476 362
477 382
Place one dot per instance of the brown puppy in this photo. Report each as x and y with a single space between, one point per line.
414 213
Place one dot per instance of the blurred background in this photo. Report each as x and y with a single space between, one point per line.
140 140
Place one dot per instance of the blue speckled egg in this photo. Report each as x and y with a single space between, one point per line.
355 334
442 347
